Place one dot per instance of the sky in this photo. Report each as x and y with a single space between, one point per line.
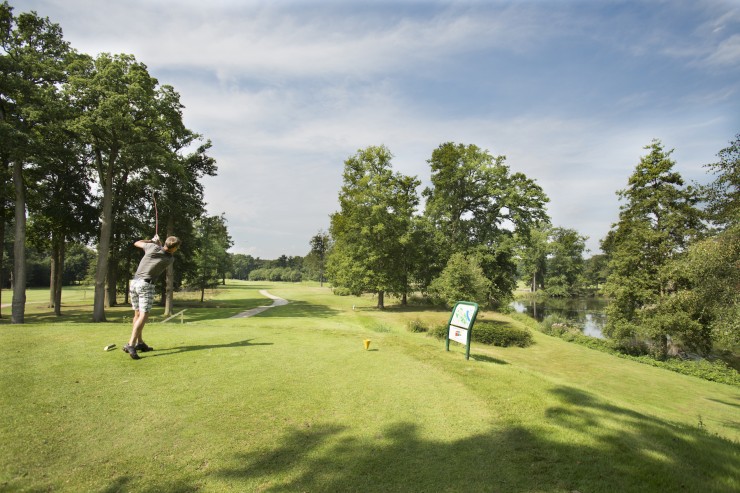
569 91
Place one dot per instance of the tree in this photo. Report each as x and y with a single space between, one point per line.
565 262
33 58
182 201
133 129
532 254
115 95
211 244
7 206
703 305
425 251
242 265
478 205
77 265
376 209
595 270
723 195
320 244
402 207
656 224
60 210
461 280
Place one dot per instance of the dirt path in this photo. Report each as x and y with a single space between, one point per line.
276 301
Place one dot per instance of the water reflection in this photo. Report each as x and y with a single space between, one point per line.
586 313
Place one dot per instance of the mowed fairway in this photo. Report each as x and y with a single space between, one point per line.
289 400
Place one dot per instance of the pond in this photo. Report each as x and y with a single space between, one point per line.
586 313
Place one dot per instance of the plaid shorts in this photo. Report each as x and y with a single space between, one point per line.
141 294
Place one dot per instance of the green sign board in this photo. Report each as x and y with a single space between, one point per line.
460 326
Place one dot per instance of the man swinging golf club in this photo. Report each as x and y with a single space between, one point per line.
156 259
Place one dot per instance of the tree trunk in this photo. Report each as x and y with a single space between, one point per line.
60 277
169 289
18 305
57 273
2 254
106 227
53 260
112 281
126 300
381 300
662 348
3 213
205 260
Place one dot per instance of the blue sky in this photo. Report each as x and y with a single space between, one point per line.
569 91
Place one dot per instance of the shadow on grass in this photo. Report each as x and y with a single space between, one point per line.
123 484
72 314
195 312
607 448
120 484
488 359
299 309
81 311
733 404
201 347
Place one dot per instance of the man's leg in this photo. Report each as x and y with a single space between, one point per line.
140 318
136 300
137 326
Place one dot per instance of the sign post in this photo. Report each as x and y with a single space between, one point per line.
460 326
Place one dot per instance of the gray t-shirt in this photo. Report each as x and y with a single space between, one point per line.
154 262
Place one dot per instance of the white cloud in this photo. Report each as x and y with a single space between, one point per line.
291 39
288 90
727 52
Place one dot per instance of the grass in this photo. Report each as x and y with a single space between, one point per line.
290 401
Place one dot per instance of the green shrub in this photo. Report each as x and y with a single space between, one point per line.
495 334
417 326
439 331
503 335
462 279
555 325
420 300
340 291
632 347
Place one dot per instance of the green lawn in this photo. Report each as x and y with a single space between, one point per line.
289 400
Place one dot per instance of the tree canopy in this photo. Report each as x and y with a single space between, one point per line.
723 194
72 125
476 205
658 220
33 62
372 226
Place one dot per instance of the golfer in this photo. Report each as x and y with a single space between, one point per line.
156 259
